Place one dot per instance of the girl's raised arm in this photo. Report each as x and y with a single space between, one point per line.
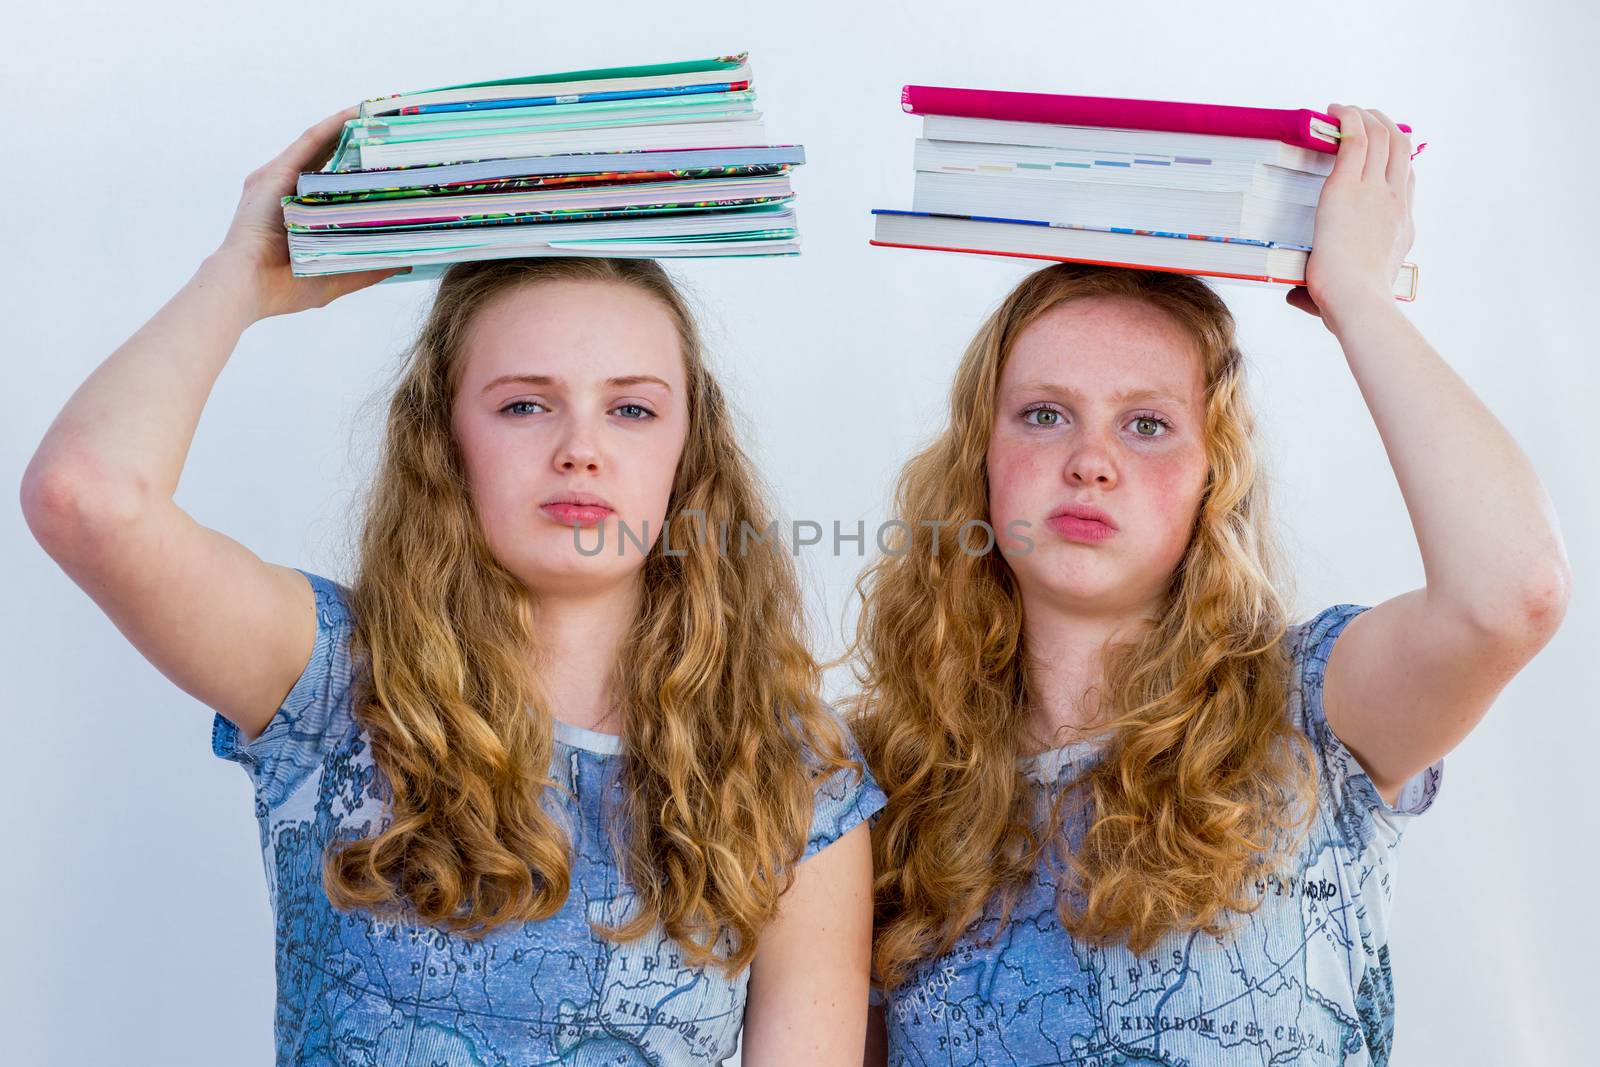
1408 680
226 627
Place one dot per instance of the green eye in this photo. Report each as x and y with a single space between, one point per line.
1047 416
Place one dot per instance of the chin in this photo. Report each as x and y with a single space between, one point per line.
547 556
578 575
1073 581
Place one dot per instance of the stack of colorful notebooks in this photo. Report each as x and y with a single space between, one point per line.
665 160
1228 192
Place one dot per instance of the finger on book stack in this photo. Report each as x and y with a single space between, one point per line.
1226 192
660 161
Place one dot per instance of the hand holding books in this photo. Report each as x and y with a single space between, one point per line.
1363 221
255 240
663 160
1222 191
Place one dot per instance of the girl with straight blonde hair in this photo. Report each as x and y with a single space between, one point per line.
1135 814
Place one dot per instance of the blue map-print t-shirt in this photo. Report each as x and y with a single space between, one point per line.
360 988
1303 980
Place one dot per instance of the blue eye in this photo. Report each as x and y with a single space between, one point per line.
520 403
647 413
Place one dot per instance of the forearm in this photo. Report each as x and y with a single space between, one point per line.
1490 541
125 433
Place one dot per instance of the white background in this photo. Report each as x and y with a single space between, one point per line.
139 931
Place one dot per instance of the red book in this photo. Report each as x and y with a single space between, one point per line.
1301 127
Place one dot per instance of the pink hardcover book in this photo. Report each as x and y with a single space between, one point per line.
1301 127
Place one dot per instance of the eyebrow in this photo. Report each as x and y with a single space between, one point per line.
1123 397
543 380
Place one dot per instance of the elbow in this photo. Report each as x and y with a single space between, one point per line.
1529 618
64 505
46 503
1544 604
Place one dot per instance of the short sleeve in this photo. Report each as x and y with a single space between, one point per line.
1359 806
312 718
844 799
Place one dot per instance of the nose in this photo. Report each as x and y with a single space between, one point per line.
1090 464
577 450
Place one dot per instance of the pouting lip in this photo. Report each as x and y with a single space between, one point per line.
1082 511
588 500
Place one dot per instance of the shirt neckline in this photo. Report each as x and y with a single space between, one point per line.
1047 766
589 740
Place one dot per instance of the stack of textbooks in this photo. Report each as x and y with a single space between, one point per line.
1227 192
665 160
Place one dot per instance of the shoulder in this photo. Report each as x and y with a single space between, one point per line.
1360 811
333 600
847 795
1307 646
1311 640
315 714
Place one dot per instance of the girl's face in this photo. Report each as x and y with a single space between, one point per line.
1099 406
571 414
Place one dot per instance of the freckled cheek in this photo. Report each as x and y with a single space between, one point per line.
1018 483
1170 488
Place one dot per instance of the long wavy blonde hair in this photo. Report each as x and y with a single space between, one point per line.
725 733
1186 801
